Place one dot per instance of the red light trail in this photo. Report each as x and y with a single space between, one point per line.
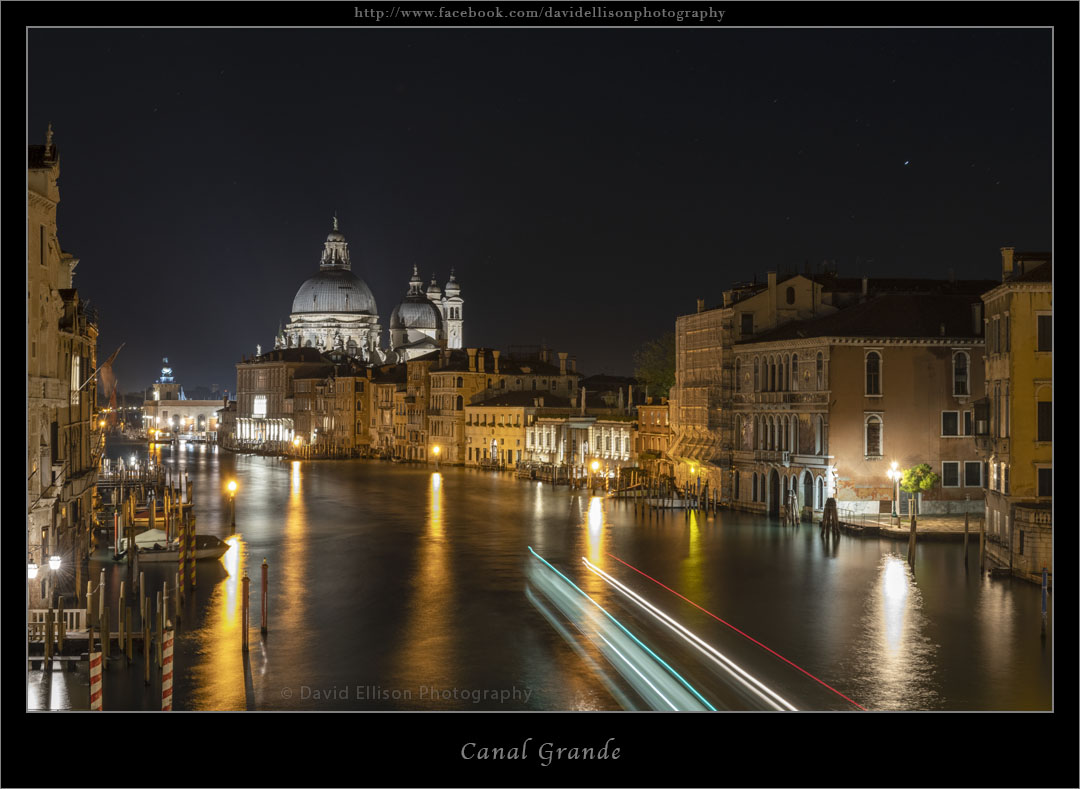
741 633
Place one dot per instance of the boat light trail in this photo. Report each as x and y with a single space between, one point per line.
741 633
622 628
763 692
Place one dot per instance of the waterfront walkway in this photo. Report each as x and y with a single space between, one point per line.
927 527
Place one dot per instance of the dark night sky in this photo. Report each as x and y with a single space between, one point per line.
587 185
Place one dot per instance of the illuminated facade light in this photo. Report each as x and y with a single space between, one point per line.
31 571
54 563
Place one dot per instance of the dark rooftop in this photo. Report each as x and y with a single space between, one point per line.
890 315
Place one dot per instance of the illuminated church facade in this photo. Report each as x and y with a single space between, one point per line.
334 311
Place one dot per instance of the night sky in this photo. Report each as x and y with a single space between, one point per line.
587 185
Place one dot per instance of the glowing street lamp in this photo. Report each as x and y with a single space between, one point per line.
31 571
232 502
894 474
54 563
435 449
595 465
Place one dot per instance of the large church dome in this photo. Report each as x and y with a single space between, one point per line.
334 290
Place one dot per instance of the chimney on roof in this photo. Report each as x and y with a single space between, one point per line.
480 359
495 354
573 364
772 281
583 401
727 298
1006 262
865 286
562 363
942 329
472 359
701 305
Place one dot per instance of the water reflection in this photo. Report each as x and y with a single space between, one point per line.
219 674
895 659
426 657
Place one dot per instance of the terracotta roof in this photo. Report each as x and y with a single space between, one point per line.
1041 273
890 315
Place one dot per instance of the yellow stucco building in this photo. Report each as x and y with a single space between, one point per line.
1017 416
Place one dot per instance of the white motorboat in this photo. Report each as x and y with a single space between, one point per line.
152 547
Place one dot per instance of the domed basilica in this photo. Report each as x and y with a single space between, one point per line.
334 310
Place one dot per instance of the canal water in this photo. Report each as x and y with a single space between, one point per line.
393 587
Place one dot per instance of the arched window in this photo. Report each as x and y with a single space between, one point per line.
808 490
819 494
794 372
873 436
791 295
460 382
755 491
738 432
960 374
772 374
737 475
757 379
820 371
460 403
738 371
819 435
873 373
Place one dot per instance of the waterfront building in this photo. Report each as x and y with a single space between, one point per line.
700 401
476 375
166 408
566 444
64 441
652 436
702 416
269 408
386 381
495 429
1018 415
822 407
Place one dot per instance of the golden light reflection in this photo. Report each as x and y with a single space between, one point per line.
294 480
594 532
425 655
692 569
220 669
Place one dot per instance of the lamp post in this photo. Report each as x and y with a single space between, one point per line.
894 475
296 444
595 465
435 449
232 503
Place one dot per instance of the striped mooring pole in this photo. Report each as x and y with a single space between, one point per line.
166 669
95 680
191 550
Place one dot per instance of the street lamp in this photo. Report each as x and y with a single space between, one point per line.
595 465
232 503
894 475
31 571
54 563
435 449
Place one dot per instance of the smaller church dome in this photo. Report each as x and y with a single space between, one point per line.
452 287
416 314
433 290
